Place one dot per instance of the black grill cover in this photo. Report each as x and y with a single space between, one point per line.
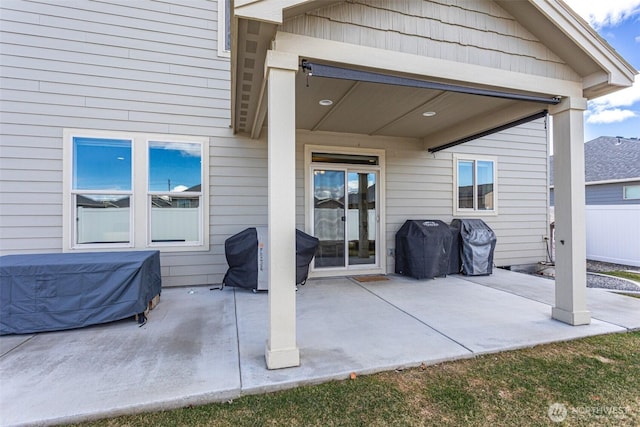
477 243
454 254
306 246
241 251
422 249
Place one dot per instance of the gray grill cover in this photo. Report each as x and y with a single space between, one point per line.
422 249
478 242
49 292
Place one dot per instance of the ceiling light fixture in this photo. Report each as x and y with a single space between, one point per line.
325 102
429 113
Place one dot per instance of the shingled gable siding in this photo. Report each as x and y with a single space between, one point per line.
140 66
472 31
419 185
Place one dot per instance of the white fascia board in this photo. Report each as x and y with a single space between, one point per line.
271 11
619 72
405 63
609 181
614 181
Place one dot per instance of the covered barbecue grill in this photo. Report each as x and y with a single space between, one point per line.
477 243
247 254
422 249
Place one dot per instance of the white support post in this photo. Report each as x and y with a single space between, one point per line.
569 195
281 348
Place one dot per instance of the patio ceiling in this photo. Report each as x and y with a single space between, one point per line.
381 109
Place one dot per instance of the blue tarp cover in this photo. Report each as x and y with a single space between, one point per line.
48 292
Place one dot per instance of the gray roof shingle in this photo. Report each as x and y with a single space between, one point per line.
608 158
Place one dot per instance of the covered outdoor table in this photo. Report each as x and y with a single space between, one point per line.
48 292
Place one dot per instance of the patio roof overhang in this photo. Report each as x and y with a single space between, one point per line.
381 108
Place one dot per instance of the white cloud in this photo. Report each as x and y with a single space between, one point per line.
179 188
187 149
622 98
609 116
615 107
601 13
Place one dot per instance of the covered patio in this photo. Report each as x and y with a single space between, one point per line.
203 345
341 69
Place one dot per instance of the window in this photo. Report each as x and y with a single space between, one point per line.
474 186
224 28
631 192
135 191
175 191
102 190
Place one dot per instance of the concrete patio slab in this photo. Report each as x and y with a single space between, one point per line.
605 305
342 328
482 319
202 346
185 354
614 308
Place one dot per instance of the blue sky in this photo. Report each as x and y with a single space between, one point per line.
618 22
107 164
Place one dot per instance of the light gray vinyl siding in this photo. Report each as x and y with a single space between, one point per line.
475 31
522 191
140 66
152 66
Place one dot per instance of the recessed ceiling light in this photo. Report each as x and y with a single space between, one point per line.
429 113
325 102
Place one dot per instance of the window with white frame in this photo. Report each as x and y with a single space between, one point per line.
631 192
474 185
135 191
224 28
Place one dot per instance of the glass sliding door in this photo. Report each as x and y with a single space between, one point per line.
345 217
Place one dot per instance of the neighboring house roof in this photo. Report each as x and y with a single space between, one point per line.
609 158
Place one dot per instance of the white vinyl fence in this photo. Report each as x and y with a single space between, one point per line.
613 233
112 225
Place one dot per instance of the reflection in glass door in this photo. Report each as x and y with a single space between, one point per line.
345 226
361 215
329 217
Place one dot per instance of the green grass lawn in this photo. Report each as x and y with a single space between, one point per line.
597 380
625 275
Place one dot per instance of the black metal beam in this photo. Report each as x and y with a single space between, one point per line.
500 128
332 72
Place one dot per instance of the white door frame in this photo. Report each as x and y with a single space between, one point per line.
380 267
